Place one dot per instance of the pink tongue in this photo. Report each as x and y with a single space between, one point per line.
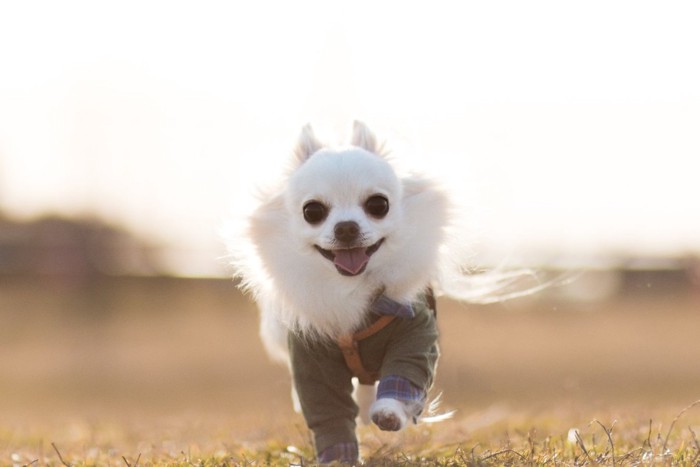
351 260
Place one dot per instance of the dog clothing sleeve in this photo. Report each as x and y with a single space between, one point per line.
410 349
343 452
324 385
396 387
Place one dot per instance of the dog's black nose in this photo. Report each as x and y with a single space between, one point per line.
347 231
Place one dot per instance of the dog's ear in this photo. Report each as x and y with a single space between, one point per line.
307 144
362 137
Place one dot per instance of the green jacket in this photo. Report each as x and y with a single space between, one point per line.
406 348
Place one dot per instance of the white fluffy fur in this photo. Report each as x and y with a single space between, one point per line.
390 413
298 288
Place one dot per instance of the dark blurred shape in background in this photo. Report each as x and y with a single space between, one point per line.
72 249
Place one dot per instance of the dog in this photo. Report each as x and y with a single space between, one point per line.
343 258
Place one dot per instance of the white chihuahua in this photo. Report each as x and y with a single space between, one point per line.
341 259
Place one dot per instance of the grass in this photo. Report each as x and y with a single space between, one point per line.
537 440
495 436
137 372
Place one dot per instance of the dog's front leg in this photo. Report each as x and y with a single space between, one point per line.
324 386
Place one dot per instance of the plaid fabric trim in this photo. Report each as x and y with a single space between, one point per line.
342 452
383 305
401 389
397 387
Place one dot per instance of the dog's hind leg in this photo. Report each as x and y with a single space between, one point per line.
273 334
364 395
274 338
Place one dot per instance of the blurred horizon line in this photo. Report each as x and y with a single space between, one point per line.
53 243
79 254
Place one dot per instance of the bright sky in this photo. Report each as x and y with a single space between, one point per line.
572 127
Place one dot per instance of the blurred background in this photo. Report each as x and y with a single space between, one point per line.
130 132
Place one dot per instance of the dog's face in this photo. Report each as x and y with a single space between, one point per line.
342 225
344 205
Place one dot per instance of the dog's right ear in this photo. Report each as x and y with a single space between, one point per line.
364 138
307 144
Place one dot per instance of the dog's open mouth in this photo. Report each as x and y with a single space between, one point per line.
350 261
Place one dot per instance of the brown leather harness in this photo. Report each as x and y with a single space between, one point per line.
349 344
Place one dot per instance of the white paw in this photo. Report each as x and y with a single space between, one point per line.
389 414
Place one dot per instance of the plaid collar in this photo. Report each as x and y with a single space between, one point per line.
385 306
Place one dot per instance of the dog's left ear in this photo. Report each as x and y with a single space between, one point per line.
307 144
362 137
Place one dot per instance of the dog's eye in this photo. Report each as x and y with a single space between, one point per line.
377 206
315 212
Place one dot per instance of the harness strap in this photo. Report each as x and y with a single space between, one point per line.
349 345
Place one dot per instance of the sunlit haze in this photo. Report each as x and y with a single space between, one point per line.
569 129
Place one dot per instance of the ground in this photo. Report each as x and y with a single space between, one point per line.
154 371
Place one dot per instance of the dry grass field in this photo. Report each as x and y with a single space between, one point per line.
157 371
